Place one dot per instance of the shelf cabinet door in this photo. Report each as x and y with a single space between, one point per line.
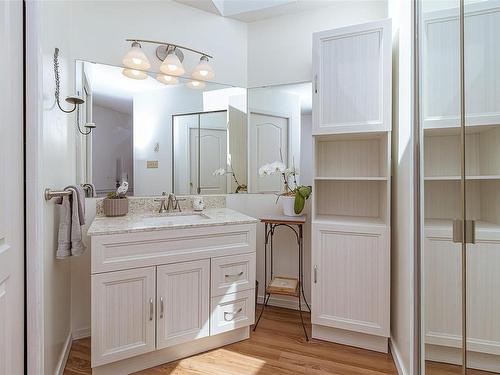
351 278
352 79
183 302
123 314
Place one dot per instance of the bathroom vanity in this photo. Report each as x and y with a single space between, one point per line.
167 286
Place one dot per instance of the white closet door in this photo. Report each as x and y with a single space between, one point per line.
123 314
183 302
11 192
352 79
213 152
268 134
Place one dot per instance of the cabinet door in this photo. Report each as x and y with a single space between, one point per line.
351 278
183 302
352 79
123 314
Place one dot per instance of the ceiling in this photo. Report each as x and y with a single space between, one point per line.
255 10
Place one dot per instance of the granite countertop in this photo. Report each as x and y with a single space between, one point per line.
153 221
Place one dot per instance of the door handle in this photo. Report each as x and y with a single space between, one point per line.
151 312
315 83
161 307
470 231
315 274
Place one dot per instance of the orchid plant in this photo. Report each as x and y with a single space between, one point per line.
222 172
289 175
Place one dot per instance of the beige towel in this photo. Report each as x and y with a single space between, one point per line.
71 219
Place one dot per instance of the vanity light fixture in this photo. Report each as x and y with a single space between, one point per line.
172 64
203 70
135 58
172 56
75 100
194 84
166 79
134 73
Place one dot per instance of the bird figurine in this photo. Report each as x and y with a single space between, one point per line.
122 189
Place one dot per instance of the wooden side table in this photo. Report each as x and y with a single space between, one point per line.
279 284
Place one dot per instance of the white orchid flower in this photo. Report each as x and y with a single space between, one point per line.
219 172
278 167
265 170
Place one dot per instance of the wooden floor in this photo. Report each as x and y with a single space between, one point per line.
276 347
437 368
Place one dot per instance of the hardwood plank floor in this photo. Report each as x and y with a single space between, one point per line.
277 347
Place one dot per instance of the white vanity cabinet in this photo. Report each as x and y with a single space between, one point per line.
161 295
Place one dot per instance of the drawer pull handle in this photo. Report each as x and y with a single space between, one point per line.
233 314
234 274
151 311
161 307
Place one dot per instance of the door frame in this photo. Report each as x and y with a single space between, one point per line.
34 226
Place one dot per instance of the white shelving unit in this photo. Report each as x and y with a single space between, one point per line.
351 188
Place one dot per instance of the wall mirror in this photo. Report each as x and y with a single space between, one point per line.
210 139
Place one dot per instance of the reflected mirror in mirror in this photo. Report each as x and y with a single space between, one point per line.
136 140
276 115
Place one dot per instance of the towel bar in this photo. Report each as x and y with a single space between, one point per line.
49 194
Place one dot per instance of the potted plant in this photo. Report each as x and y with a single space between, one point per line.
293 198
116 203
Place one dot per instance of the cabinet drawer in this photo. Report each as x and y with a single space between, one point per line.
232 274
232 311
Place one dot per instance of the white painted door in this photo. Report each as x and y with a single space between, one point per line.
183 302
351 278
123 314
208 157
11 192
352 79
268 143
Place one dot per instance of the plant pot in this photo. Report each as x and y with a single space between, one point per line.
115 207
288 203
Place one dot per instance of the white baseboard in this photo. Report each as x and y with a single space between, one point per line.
286 303
80 333
61 364
396 356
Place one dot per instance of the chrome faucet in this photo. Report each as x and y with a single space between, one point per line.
169 203
163 206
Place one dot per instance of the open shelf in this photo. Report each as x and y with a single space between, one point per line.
352 156
457 178
349 220
351 178
366 200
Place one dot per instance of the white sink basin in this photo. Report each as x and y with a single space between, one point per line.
173 219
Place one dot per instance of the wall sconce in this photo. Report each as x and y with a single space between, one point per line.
76 101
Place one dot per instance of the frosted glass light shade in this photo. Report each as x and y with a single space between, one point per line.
203 70
172 65
196 84
135 58
134 73
166 79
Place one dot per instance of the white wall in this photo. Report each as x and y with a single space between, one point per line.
112 136
58 165
402 188
99 30
279 49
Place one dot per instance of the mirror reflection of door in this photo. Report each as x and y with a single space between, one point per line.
268 143
208 152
